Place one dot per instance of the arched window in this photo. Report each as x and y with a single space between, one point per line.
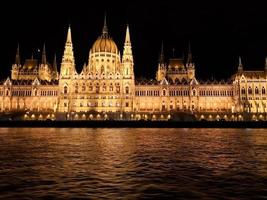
127 89
164 93
249 90
76 88
256 90
102 69
111 87
194 92
263 90
118 88
97 89
65 90
104 87
83 87
243 91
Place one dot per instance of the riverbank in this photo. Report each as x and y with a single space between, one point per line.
136 124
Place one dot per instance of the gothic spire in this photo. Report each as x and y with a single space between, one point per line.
161 57
17 59
68 52
189 56
105 27
55 63
127 51
240 66
69 36
127 37
44 55
67 68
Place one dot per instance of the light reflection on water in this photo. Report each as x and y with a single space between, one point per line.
132 163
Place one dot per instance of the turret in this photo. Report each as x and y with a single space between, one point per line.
162 69
240 66
44 56
127 57
17 59
16 66
189 64
67 69
54 69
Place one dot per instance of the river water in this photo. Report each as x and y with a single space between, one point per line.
129 163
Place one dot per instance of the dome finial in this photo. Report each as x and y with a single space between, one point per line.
105 27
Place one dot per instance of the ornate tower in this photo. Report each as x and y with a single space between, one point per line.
67 71
54 73
128 72
44 69
16 66
162 69
104 56
189 64
127 57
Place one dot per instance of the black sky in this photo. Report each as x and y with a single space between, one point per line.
219 31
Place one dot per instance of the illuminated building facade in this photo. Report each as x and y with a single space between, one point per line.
106 86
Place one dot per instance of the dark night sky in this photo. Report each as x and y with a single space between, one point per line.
219 32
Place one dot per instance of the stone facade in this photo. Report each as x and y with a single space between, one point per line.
107 84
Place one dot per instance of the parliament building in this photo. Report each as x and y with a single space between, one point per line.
106 88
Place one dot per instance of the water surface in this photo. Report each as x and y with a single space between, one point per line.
58 163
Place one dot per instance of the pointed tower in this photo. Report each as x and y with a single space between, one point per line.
44 70
17 59
44 56
189 64
67 72
127 57
16 66
189 56
128 83
240 66
67 69
162 69
161 57
54 69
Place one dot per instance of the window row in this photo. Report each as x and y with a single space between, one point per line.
48 93
215 93
21 93
147 93
101 104
98 89
179 93
256 91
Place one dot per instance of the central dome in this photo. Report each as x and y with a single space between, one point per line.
104 43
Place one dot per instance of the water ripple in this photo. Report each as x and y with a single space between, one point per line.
51 163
